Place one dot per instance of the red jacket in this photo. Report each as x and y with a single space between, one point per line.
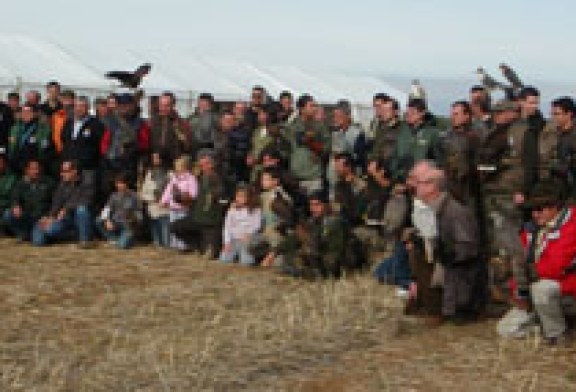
143 137
558 254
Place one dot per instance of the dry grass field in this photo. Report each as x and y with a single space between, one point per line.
148 320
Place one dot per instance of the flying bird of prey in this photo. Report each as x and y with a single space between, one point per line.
416 90
511 76
130 79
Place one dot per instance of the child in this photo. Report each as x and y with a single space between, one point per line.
119 216
181 190
277 212
242 221
155 182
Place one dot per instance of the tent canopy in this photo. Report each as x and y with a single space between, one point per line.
29 61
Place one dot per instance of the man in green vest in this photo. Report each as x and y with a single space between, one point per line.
310 142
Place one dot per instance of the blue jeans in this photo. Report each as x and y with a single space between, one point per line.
160 231
239 249
78 220
122 235
21 227
395 270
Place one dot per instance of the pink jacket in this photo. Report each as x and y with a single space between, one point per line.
186 183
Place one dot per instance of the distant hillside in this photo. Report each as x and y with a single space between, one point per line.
441 92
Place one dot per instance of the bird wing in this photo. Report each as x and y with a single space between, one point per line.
120 75
511 76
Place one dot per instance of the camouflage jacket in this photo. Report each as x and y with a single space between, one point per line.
310 142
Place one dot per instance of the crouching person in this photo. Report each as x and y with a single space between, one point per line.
119 216
549 268
70 210
450 249
277 216
30 201
321 242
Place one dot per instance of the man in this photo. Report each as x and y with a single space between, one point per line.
347 138
7 182
480 103
287 113
6 121
170 135
321 249
221 150
82 143
349 190
376 122
418 140
310 143
69 210
460 146
525 132
239 139
13 101
501 176
124 142
31 138
31 199
388 127
454 254
201 227
52 103
564 158
204 123
258 99
550 266
60 117
239 109
33 97
101 110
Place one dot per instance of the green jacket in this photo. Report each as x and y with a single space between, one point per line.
22 146
7 182
413 145
259 142
206 209
310 142
34 198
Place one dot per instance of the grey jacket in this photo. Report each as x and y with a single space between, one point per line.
70 195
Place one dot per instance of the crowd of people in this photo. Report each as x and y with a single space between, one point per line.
472 211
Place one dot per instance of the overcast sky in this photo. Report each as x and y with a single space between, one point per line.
415 38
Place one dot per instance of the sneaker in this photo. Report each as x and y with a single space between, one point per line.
402 293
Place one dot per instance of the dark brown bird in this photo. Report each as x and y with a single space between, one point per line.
511 76
130 79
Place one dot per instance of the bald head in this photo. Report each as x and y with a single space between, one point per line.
417 170
429 180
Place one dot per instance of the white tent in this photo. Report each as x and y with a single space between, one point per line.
30 63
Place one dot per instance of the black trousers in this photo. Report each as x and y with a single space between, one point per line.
198 235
